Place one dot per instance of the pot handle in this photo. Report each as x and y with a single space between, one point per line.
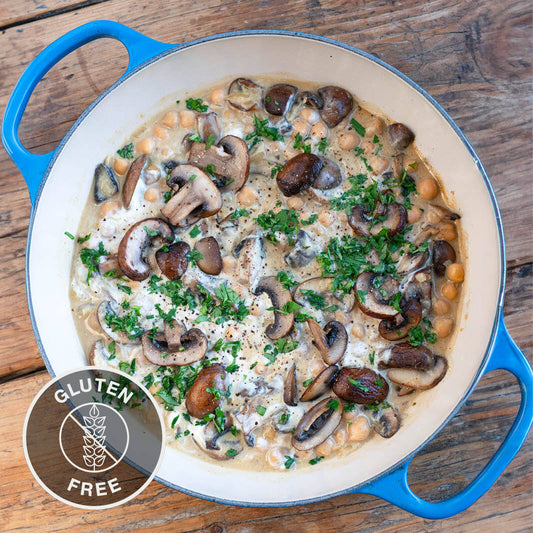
394 487
140 48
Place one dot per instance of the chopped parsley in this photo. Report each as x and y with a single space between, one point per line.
238 213
196 104
128 323
274 170
126 151
299 143
285 221
91 258
359 128
286 280
418 335
226 306
322 145
194 256
333 404
289 461
315 460
195 232
81 240
262 131
318 301
124 288
357 383
231 452
307 382
69 235
261 410
209 141
283 345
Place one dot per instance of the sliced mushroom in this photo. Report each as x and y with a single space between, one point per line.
373 298
443 255
132 177
412 262
244 94
419 288
172 260
299 173
209 126
280 297
111 308
400 136
211 261
251 255
317 424
105 183
436 213
198 401
279 98
310 99
331 342
289 389
392 216
98 350
324 287
197 199
304 251
337 104
419 379
330 175
230 159
398 326
109 267
386 422
320 385
403 355
172 333
219 445
134 244
360 385
191 347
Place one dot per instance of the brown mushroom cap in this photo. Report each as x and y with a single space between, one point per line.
337 104
244 94
280 297
320 385
135 241
398 326
400 136
386 422
419 379
211 261
370 298
290 391
209 125
331 342
173 261
443 255
403 355
279 98
132 177
393 217
330 175
231 160
198 401
299 173
360 385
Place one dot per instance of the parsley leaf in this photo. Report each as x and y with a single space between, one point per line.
126 151
196 104
359 128
91 258
262 131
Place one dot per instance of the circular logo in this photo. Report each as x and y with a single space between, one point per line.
93 438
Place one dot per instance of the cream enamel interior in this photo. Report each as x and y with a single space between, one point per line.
146 92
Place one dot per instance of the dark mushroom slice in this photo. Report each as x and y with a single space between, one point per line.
324 288
209 127
172 259
299 173
375 292
398 167
192 347
412 262
244 94
290 391
331 341
419 288
109 267
398 326
111 308
98 349
105 183
279 98
199 198
330 175
221 445
392 216
360 385
403 355
135 242
317 424
386 422
400 136
280 297
320 385
251 255
419 379
337 104
443 255
310 99
132 177
198 401
211 260
230 159
304 251
437 213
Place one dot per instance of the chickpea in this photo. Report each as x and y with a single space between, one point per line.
260 368
187 118
414 214
107 228
276 456
256 308
160 132
145 146
359 430
165 152
455 272
301 127
170 119
309 115
319 131
412 166
325 217
151 175
427 188
447 232
348 141
443 327
232 334
229 264
350 416
120 165
303 455
295 202
217 96
449 290
108 207
358 330
373 127
367 147
342 317
340 437
441 307
247 196
151 194
379 164
325 448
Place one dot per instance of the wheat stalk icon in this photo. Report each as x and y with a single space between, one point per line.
94 438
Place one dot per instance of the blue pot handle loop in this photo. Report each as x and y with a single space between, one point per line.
394 487
140 48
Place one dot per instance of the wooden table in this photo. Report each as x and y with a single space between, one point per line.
473 57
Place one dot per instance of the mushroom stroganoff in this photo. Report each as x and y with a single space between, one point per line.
277 265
